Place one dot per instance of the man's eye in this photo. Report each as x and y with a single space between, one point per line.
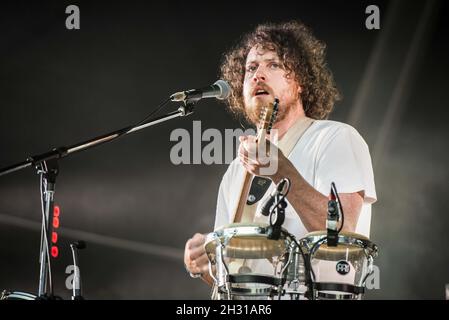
251 69
274 65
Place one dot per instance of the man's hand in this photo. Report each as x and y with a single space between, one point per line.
195 257
265 160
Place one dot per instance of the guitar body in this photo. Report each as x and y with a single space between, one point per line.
245 212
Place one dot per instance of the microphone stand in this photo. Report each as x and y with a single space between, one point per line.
49 171
46 164
61 152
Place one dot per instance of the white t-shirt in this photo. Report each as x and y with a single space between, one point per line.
328 151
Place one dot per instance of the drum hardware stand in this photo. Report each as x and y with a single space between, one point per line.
77 293
294 284
47 166
277 218
222 271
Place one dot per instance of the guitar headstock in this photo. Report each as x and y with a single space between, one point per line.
268 117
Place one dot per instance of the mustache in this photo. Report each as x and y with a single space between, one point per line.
261 87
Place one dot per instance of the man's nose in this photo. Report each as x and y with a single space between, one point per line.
259 75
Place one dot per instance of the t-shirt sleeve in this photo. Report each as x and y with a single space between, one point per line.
344 159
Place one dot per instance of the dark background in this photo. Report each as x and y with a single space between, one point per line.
134 207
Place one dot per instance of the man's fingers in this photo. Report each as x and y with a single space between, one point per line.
197 240
196 252
248 143
200 265
247 160
202 261
205 268
249 138
195 247
254 151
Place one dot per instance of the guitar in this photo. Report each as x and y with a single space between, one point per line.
267 118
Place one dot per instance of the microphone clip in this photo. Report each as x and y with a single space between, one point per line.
277 203
333 217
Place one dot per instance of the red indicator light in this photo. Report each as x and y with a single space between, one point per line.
54 251
54 237
56 222
56 211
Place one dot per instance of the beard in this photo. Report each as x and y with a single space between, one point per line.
254 110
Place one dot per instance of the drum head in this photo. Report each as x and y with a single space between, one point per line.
349 244
247 241
17 295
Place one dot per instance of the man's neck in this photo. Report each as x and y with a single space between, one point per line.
286 123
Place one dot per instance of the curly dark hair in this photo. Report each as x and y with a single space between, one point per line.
299 51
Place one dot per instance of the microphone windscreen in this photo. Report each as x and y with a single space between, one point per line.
225 89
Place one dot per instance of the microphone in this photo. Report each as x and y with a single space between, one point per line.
220 90
333 216
268 203
274 207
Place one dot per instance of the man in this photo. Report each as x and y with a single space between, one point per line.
285 61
